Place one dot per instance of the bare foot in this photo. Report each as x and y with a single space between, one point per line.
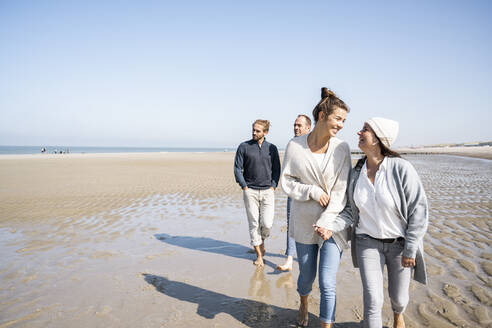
303 314
259 262
287 266
262 248
284 267
259 256
398 321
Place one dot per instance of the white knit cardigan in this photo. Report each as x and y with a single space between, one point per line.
303 180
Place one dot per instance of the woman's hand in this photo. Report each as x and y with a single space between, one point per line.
407 262
324 199
324 233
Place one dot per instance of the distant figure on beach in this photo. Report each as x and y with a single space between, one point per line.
302 126
315 174
43 150
257 171
388 206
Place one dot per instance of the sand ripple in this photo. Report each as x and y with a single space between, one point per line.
90 226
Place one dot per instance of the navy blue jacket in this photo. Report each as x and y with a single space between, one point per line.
257 167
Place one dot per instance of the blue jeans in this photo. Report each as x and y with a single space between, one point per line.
291 243
329 259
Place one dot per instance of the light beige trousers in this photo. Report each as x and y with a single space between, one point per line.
260 208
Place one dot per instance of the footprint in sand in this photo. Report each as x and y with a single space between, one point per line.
447 310
458 297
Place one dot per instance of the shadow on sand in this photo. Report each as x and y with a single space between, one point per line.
248 312
206 244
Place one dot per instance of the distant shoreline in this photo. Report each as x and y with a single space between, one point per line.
484 152
62 150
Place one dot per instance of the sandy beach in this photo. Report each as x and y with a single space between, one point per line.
160 240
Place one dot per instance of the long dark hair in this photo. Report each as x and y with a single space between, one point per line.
385 151
329 101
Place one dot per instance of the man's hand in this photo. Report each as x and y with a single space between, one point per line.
324 199
407 262
324 233
245 188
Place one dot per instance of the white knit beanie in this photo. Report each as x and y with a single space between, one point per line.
386 130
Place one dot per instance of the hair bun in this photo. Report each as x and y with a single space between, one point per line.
325 93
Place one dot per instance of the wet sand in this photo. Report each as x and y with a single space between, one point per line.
160 240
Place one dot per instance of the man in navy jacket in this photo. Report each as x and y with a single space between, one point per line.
257 171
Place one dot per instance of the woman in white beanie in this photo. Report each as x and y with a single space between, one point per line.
388 206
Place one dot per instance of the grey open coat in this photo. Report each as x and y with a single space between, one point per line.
410 199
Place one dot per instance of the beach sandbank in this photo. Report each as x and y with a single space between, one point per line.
160 240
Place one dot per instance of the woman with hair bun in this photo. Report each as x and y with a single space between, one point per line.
388 206
315 173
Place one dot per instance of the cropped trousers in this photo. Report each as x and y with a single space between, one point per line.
260 208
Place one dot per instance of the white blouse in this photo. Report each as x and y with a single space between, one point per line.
378 214
320 158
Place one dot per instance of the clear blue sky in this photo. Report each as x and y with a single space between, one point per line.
197 73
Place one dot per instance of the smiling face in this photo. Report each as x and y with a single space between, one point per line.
301 126
367 138
334 122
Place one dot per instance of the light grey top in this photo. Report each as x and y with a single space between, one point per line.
304 180
410 199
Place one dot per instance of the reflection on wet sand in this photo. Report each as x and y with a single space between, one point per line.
259 285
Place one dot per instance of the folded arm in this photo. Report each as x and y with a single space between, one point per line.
336 216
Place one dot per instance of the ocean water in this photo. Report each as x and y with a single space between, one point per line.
9 150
